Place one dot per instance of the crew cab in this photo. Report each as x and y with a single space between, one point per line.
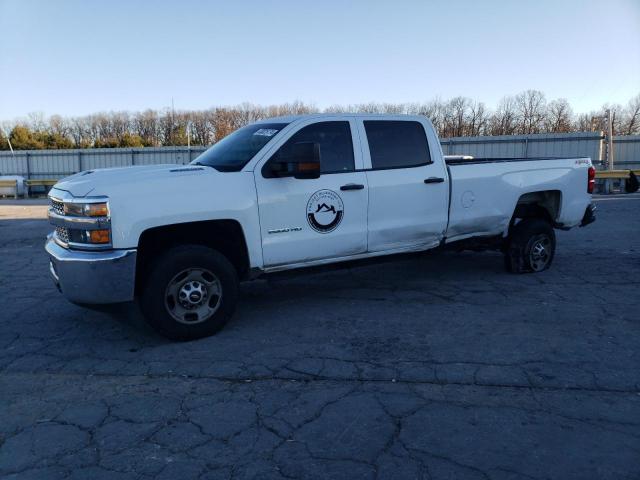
293 192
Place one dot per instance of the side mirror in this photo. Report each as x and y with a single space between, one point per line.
305 162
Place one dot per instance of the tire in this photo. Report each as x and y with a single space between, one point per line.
530 247
631 184
191 292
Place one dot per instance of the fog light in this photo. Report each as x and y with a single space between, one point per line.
99 236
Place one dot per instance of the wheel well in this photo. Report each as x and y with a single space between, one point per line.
226 236
545 205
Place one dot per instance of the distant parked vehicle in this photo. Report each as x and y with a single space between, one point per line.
295 192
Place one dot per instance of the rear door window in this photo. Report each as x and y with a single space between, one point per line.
397 144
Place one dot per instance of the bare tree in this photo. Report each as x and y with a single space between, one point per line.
59 126
455 116
559 117
528 112
616 116
478 119
147 125
78 132
36 121
630 124
434 111
504 120
531 108
202 127
586 122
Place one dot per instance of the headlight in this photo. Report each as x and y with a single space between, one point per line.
86 209
81 223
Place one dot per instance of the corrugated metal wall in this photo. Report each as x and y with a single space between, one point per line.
61 163
525 146
626 152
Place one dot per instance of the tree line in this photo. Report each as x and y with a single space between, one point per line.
524 113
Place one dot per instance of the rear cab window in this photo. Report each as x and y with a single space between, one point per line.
397 144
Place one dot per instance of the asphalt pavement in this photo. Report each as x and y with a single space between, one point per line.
436 366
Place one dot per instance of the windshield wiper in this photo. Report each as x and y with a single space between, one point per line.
201 164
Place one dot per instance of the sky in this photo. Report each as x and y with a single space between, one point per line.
76 57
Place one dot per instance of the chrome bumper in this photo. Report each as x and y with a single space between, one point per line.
92 277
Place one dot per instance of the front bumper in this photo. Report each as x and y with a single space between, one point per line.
589 215
92 277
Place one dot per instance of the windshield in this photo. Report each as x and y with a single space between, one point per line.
234 151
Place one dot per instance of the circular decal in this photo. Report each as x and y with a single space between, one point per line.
325 211
468 198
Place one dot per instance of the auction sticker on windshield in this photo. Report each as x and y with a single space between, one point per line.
266 132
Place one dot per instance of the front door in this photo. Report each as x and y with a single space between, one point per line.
306 220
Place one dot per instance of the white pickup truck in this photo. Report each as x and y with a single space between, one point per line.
294 192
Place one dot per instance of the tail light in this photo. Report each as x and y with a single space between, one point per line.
592 180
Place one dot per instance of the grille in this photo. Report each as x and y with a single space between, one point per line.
63 234
57 207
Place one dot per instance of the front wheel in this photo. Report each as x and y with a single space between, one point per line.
530 247
190 292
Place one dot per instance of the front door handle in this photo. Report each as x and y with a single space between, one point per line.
352 186
434 180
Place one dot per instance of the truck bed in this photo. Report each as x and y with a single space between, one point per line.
484 192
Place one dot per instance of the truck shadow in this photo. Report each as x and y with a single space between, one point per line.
378 280
428 271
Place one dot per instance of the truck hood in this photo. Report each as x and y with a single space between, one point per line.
100 181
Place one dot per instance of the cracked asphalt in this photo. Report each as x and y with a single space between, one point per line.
436 366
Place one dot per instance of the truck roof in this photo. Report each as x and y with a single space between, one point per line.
293 118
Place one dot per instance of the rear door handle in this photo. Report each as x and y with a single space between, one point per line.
352 186
434 180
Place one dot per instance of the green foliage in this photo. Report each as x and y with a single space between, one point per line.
4 144
129 140
55 141
22 138
178 136
110 142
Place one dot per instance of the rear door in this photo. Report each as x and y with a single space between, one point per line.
408 191
306 220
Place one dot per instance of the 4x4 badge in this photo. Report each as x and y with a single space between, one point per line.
325 211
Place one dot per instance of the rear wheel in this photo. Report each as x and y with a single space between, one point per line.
190 292
530 247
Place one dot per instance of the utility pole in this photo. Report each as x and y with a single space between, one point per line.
13 154
608 159
9 142
609 140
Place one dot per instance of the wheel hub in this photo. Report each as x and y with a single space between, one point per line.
540 253
192 294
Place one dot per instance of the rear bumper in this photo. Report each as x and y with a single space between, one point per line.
589 215
92 277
